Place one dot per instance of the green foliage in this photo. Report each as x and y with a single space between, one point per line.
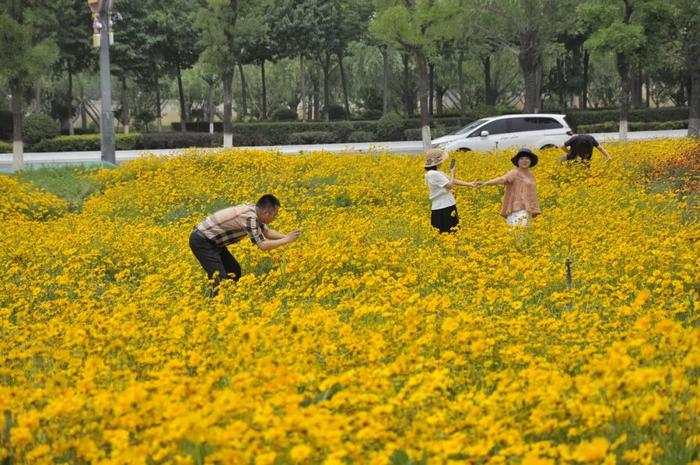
5 125
335 112
613 126
5 147
39 126
87 142
361 136
390 127
312 137
284 114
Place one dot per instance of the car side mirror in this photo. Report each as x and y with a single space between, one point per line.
484 133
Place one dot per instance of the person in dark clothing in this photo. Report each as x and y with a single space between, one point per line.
580 146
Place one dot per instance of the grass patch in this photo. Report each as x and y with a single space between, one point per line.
72 184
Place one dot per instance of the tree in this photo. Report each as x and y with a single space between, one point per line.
73 41
218 23
687 20
27 51
415 27
178 45
624 28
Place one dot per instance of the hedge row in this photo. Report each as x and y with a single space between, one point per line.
5 147
133 141
587 117
614 126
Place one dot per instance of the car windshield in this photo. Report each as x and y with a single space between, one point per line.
469 127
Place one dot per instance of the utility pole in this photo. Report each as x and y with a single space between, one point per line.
102 38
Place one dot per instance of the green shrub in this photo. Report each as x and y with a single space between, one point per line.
361 136
170 140
39 126
87 142
284 114
312 137
335 112
413 134
390 127
342 130
578 118
371 114
5 147
614 126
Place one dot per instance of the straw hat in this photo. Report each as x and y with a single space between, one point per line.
434 157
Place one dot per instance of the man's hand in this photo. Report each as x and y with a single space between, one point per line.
293 236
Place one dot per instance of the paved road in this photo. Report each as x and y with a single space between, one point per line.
82 158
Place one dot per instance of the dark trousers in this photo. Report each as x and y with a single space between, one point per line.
445 219
216 261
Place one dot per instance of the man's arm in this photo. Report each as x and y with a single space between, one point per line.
604 152
272 234
274 243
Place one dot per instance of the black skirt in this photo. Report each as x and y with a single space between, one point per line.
445 219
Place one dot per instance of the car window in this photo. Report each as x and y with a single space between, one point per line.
499 126
534 123
469 127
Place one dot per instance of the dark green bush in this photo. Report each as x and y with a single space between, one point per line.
173 140
413 134
5 147
335 112
577 118
39 126
342 130
312 137
284 114
361 136
87 142
614 126
371 114
390 127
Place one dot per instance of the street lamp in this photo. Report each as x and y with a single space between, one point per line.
103 38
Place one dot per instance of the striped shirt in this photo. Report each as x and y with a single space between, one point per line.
232 224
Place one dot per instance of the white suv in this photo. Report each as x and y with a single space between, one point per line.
536 130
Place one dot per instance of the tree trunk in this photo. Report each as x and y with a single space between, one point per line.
460 80
439 94
637 87
228 97
530 60
244 93
181 91
422 65
69 102
431 88
584 93
83 112
317 101
302 78
210 107
624 72
264 91
344 85
125 107
159 113
17 120
694 100
489 91
407 107
326 86
385 80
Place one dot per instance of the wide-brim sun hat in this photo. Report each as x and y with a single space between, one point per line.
525 153
434 157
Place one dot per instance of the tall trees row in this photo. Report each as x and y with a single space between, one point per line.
425 52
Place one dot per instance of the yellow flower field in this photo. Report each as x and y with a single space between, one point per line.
372 339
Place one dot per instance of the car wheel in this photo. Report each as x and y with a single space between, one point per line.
463 149
548 146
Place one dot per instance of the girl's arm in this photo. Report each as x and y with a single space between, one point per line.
458 182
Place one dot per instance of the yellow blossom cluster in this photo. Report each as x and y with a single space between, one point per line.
371 340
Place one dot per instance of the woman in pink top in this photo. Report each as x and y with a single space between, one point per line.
520 197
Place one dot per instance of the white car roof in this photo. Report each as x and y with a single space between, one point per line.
527 115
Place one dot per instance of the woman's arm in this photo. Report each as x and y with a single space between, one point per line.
458 182
492 182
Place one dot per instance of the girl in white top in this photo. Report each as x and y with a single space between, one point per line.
443 205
